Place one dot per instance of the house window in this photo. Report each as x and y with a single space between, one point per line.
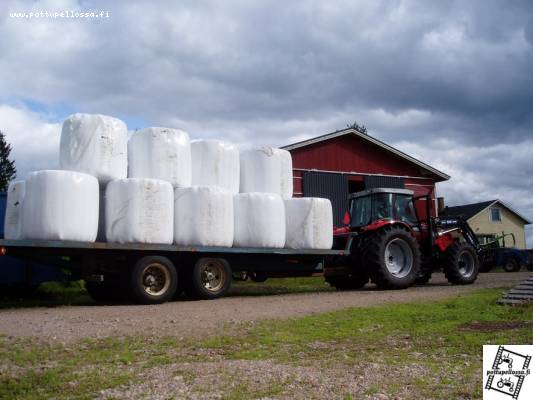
495 215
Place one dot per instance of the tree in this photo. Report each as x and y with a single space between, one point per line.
8 171
357 127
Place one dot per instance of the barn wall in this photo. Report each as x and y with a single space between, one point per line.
352 154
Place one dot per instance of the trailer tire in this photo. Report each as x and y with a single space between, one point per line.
351 281
392 257
153 280
209 279
511 265
461 264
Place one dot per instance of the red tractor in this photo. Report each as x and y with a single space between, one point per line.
392 247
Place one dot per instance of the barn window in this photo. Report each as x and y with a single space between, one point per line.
495 215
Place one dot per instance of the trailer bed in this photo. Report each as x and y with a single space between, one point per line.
71 245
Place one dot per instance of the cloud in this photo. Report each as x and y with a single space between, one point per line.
34 138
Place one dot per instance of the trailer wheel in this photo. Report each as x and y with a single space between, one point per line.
153 280
511 265
392 257
461 264
351 281
210 278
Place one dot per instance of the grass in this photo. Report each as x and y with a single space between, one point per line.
48 294
426 350
275 286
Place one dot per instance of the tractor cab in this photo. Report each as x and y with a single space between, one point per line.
383 204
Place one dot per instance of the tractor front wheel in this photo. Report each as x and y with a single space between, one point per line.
461 264
392 257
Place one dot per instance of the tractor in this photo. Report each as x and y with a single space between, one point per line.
394 248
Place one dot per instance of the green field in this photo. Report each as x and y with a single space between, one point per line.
426 350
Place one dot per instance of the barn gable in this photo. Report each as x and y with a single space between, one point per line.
352 151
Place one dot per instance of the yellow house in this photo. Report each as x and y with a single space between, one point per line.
490 219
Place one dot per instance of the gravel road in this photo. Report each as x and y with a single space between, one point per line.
194 318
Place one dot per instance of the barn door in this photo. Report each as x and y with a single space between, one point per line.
330 186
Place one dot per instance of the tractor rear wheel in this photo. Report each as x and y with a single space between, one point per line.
461 264
352 281
392 257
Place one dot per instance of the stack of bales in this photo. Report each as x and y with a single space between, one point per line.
159 187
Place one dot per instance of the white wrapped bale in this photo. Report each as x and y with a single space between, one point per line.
260 170
286 180
139 211
259 220
94 144
60 205
160 153
309 223
203 216
13 218
215 163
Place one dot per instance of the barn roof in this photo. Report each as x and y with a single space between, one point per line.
379 143
470 210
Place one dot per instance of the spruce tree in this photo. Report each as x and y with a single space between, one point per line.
8 171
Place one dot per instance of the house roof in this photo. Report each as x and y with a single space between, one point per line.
379 143
471 210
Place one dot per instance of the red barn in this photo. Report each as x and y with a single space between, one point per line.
348 161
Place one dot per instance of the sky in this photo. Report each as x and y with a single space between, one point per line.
448 82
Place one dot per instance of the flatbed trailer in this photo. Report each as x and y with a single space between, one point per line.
155 273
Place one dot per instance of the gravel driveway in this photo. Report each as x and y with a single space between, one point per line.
186 318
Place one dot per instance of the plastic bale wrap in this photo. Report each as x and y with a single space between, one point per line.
259 220
13 218
309 223
203 216
260 170
60 205
139 210
215 163
160 153
286 179
94 144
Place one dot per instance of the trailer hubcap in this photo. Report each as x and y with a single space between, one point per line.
155 279
213 276
466 264
399 258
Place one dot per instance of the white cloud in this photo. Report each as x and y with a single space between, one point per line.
34 138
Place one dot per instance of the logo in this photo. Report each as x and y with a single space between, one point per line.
507 373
